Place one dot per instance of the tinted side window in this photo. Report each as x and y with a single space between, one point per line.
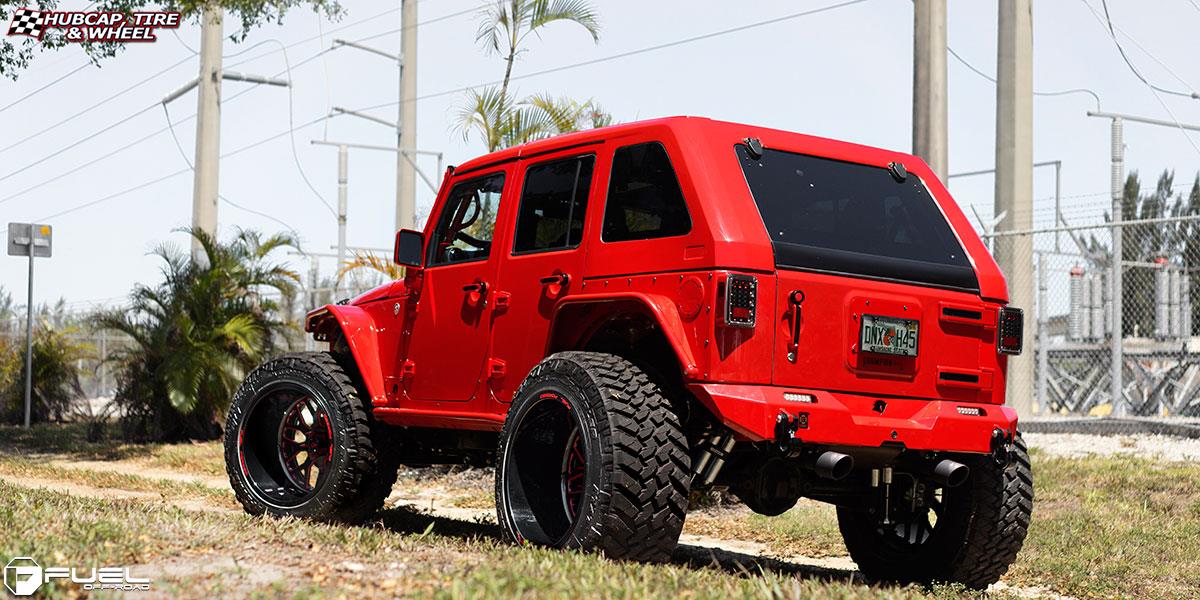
468 221
644 198
553 203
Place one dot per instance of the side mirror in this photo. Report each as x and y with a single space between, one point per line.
410 244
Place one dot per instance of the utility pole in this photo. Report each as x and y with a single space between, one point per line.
344 175
343 181
1014 181
1117 272
406 118
205 192
929 84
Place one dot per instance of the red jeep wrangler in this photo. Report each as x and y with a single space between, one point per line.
620 317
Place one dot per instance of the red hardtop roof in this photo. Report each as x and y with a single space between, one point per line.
704 128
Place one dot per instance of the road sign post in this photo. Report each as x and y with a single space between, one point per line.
34 241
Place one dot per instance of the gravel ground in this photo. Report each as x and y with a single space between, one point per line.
1147 446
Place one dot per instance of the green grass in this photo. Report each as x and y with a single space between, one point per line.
1102 527
809 529
70 441
23 467
400 555
1113 527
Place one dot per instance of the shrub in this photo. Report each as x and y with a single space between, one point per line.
197 333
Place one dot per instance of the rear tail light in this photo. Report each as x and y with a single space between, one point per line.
741 297
1010 332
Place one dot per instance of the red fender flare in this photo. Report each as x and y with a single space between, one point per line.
661 308
358 328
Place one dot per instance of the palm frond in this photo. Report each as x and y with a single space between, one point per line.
582 12
371 262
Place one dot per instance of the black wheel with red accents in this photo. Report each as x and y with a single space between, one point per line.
300 442
593 457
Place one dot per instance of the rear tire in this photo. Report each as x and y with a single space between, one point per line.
980 529
300 442
592 457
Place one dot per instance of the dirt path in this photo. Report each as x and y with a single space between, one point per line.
135 469
425 496
1080 445
108 493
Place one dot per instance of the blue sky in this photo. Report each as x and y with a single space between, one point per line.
845 74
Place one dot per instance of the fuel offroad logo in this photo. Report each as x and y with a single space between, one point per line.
92 26
23 576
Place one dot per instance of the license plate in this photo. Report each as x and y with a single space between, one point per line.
888 335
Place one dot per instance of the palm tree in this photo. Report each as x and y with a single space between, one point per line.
488 113
502 123
491 112
506 24
197 334
564 115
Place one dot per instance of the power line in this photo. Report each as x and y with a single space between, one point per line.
151 107
316 37
164 129
629 53
59 175
419 24
980 73
188 161
1154 90
34 92
102 131
161 178
1113 34
600 60
292 134
94 106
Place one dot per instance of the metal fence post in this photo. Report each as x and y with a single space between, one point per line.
1043 362
29 339
1119 409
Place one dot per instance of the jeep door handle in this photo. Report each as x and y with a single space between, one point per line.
559 278
478 286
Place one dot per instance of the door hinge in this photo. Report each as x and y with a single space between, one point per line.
496 368
407 370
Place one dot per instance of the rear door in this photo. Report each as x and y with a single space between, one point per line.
886 298
544 262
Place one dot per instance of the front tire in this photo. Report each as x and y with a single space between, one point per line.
968 534
592 457
300 442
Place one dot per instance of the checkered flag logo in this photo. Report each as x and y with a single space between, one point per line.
27 21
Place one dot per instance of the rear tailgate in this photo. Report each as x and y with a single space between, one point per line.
952 354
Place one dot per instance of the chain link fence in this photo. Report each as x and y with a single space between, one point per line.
1073 322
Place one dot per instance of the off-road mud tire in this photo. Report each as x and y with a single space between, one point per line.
360 475
638 466
984 534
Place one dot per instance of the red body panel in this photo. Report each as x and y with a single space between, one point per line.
433 355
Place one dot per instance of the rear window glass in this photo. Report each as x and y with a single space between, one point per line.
644 198
837 216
